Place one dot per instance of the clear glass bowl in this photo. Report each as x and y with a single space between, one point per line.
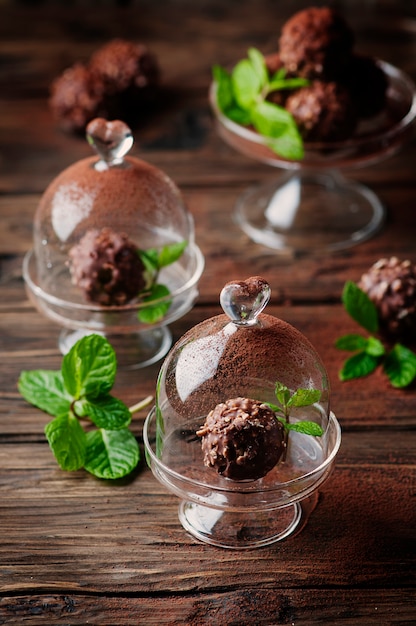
242 353
129 198
312 208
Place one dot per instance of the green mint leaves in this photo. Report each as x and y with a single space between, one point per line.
399 363
81 391
154 260
299 398
242 97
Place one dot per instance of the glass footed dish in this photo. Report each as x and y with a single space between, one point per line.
312 208
138 208
241 353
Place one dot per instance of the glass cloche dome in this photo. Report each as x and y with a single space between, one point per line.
242 429
114 249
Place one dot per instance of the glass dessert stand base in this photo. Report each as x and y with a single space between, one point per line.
244 514
136 344
309 212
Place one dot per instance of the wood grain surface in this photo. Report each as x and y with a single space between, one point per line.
77 550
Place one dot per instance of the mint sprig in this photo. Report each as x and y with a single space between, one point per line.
154 260
298 398
398 362
81 391
242 96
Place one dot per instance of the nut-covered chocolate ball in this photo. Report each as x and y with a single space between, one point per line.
118 82
75 98
316 43
242 439
107 267
122 65
323 111
391 285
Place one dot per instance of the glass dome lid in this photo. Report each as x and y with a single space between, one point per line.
114 250
241 353
122 194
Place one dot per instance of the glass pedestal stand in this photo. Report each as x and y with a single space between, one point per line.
308 211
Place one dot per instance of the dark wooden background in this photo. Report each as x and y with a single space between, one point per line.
75 550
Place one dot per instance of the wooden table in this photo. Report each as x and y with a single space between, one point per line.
75 550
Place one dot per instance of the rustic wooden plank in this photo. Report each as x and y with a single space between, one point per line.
243 607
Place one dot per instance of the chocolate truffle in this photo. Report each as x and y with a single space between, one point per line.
119 80
124 64
130 75
323 111
316 43
75 98
242 439
391 285
107 267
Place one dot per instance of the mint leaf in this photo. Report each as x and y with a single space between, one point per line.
89 368
361 364
360 307
305 427
171 253
304 397
270 119
149 259
274 122
278 83
274 407
224 88
104 412
111 453
155 311
45 389
374 347
259 66
400 366
246 83
67 441
239 116
352 343
282 393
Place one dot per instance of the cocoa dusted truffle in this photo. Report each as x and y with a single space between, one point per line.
242 439
107 267
316 43
75 98
391 285
323 111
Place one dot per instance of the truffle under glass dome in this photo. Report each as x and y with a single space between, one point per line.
242 353
114 250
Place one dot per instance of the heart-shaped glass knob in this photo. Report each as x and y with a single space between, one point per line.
111 140
243 301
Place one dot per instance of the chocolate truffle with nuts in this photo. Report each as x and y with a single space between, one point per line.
75 98
391 285
316 43
323 111
242 439
107 267
119 80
